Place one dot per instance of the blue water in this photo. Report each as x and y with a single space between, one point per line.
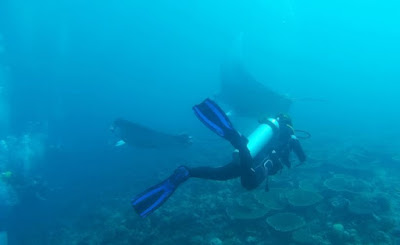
69 68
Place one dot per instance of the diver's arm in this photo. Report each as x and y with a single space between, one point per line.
298 149
285 159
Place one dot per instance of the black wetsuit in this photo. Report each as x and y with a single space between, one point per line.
268 162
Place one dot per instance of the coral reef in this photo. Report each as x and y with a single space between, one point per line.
303 236
309 185
285 222
338 200
301 198
273 199
246 213
345 183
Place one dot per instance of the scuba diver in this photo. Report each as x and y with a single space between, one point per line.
28 188
139 136
263 153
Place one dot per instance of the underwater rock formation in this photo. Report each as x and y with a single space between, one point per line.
339 235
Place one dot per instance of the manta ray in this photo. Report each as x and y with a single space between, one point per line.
140 136
245 95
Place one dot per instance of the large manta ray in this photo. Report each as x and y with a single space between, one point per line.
246 96
243 93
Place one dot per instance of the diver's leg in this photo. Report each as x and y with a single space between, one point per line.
229 171
212 116
251 178
151 199
148 201
251 175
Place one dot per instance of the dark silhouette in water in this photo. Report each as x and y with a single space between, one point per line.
140 136
248 97
243 93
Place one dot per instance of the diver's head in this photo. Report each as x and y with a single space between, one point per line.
284 119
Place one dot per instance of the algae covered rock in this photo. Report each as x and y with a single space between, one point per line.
338 230
338 234
285 222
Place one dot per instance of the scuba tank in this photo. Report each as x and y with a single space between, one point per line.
261 136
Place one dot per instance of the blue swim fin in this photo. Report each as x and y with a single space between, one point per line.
211 115
151 199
